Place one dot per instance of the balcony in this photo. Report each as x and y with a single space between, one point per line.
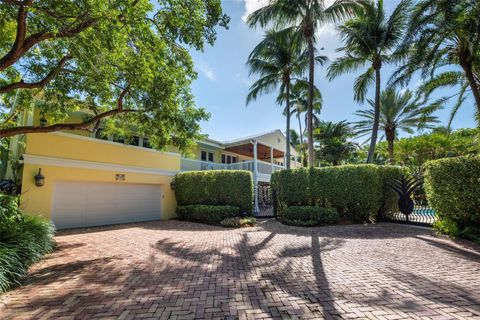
264 169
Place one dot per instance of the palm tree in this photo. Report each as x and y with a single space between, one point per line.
334 146
278 57
305 17
444 33
370 39
398 111
299 101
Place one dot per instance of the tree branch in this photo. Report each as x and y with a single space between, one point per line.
40 84
8 132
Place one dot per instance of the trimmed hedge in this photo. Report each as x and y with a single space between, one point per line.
358 192
215 187
206 213
239 222
453 190
24 240
309 215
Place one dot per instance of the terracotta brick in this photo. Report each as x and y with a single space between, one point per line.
182 270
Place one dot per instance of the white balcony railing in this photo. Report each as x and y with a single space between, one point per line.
262 167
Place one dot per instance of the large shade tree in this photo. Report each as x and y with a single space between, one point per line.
275 60
399 111
443 44
305 16
122 61
370 39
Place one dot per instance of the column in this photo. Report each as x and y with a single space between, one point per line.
271 157
256 208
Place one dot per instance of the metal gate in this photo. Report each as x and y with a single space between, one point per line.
265 202
422 215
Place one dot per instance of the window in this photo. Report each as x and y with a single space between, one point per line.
134 141
206 156
229 159
118 139
146 143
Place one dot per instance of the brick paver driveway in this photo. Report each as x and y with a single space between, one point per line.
185 270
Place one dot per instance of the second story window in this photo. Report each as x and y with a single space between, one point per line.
229 159
134 141
146 143
206 156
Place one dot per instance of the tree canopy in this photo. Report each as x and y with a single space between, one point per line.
124 63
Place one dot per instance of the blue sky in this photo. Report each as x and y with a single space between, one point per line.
223 82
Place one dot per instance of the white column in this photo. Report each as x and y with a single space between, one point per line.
255 177
271 157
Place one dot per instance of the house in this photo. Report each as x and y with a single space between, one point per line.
90 179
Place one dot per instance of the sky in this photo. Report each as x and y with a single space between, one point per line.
223 82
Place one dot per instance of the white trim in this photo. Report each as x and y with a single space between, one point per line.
79 137
69 163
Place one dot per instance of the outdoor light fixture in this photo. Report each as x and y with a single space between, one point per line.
43 121
39 178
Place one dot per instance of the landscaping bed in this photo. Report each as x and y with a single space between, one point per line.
24 240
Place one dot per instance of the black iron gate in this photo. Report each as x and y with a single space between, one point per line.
422 214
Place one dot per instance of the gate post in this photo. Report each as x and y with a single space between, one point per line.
256 209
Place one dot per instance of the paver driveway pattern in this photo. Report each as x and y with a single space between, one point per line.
182 270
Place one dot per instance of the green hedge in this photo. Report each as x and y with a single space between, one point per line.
215 187
309 215
453 190
24 239
358 192
207 213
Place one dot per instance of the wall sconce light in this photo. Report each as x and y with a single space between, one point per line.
39 178
43 121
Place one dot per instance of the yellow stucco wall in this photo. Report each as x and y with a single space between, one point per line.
38 200
88 149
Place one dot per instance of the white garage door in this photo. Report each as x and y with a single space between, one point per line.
82 204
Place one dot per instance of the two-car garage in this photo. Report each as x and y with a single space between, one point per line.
84 204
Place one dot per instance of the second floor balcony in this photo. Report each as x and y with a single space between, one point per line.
263 173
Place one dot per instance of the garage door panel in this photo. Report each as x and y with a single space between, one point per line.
78 204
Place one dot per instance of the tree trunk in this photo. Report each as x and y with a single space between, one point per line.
300 127
311 73
473 85
287 92
390 135
376 118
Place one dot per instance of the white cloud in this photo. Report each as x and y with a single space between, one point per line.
252 6
206 70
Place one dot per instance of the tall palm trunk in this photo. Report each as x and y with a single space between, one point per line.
473 85
300 127
376 118
311 73
287 92
390 135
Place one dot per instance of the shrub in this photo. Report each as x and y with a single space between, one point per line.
24 240
358 192
239 222
309 215
206 213
215 187
453 190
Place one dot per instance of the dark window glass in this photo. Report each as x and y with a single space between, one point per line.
135 141
203 156
234 159
223 158
229 159
146 143
210 156
118 139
